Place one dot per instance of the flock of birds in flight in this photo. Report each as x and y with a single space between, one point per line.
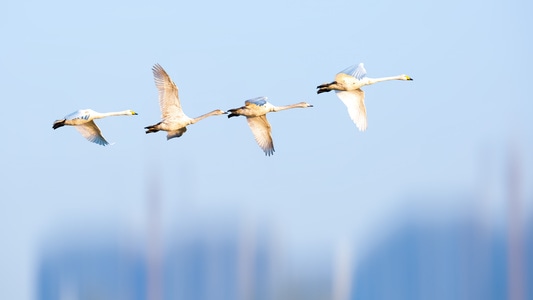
174 121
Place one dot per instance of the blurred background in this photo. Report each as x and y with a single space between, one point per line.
433 201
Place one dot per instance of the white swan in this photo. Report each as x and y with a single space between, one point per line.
255 111
83 121
348 85
174 121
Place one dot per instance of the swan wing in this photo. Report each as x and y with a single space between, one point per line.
82 114
357 71
355 102
262 133
176 133
92 133
259 101
169 101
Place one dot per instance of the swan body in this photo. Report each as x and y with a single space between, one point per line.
174 121
255 111
83 121
348 84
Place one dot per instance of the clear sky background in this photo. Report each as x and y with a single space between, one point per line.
449 131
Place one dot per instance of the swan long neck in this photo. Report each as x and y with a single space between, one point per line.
375 80
112 114
284 107
212 113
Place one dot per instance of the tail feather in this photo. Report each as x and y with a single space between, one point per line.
324 88
58 123
152 128
233 113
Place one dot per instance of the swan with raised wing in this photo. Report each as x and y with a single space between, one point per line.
255 111
83 121
174 121
348 85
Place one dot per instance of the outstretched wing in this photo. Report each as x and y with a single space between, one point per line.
262 133
82 114
259 101
357 71
176 133
169 101
355 102
92 133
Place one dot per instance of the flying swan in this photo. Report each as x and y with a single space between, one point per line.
83 121
255 111
348 85
174 121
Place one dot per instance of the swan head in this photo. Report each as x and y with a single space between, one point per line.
305 104
132 112
405 77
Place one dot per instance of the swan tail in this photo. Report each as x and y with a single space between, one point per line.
324 88
152 128
58 123
233 113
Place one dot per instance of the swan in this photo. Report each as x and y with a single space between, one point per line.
255 111
174 121
348 85
83 121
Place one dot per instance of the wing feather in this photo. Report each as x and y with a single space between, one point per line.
84 114
259 101
169 101
355 102
176 133
357 71
92 133
262 133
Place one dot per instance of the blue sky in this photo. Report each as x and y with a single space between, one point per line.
468 104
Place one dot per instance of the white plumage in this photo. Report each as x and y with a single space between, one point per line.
173 119
255 111
83 121
347 86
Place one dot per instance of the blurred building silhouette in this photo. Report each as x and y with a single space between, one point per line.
417 260
83 270
452 261
466 256
469 256
199 266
